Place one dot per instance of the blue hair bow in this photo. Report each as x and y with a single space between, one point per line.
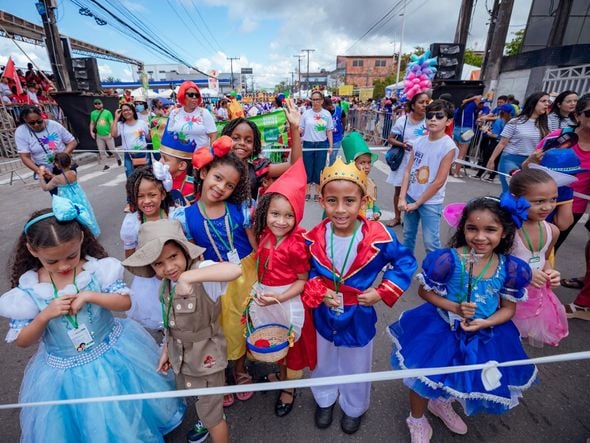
66 210
518 207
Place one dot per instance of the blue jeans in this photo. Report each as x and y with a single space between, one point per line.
509 162
430 217
315 160
334 154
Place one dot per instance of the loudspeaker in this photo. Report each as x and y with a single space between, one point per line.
86 76
450 60
459 89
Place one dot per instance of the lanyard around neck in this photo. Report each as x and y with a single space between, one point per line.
228 230
338 281
166 308
479 277
73 319
528 240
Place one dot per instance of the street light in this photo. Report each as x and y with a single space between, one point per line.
307 80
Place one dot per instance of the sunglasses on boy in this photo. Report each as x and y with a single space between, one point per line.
193 95
439 115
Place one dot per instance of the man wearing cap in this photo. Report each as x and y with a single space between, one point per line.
100 130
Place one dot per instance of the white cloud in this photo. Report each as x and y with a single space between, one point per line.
105 71
248 25
36 53
133 6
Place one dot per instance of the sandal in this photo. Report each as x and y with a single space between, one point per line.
307 197
572 283
282 409
393 223
228 400
242 378
575 311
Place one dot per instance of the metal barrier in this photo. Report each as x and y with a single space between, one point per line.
374 125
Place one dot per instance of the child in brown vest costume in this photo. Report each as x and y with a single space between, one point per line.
194 346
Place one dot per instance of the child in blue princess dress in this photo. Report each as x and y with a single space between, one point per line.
472 289
64 289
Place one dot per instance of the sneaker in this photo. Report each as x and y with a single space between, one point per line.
420 429
198 433
444 410
119 162
106 168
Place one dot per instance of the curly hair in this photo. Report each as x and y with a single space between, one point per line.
132 188
232 125
63 160
241 193
501 215
48 233
261 213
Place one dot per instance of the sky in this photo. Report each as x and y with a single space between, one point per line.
264 34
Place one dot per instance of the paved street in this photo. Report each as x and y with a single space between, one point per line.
555 410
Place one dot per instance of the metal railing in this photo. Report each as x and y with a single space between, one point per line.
374 125
572 78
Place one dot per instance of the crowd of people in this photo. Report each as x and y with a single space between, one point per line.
218 259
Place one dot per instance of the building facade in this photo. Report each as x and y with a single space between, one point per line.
362 70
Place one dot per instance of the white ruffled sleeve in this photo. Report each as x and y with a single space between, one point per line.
20 308
109 272
130 231
214 289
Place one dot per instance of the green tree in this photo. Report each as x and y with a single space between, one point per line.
111 79
471 58
514 46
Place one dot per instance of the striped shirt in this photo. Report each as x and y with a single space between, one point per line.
522 136
554 122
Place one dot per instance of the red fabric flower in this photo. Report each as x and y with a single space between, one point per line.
314 292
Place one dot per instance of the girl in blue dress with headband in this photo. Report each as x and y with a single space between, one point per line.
471 290
64 289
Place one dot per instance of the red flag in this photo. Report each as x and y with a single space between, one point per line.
10 73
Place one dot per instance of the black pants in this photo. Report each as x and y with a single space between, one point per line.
488 145
563 234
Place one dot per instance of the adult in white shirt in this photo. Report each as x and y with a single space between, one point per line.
135 135
38 140
192 123
316 128
404 132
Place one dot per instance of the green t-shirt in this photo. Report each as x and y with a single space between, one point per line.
345 105
103 125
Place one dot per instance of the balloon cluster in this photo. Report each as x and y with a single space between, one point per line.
419 74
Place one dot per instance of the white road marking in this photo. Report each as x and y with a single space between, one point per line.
121 178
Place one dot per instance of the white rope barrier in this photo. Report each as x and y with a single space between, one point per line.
488 372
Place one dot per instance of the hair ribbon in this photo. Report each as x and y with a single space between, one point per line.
63 210
205 154
518 207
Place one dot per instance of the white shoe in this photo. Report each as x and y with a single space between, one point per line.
444 410
420 429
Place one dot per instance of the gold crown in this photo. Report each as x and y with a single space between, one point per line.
342 171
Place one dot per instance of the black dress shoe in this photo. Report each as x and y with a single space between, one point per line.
323 416
350 424
282 409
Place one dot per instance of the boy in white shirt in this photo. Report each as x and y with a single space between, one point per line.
425 178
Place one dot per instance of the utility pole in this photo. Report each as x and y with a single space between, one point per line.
54 45
293 82
299 57
496 41
307 80
464 22
231 64
401 42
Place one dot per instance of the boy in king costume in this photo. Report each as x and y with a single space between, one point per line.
347 254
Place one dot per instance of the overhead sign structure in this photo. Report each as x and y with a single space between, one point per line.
246 71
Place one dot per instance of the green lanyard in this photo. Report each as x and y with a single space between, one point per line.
528 240
73 319
144 218
479 277
166 309
338 281
217 234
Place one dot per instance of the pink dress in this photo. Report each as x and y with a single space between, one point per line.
541 318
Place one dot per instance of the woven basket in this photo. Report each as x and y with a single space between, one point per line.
275 334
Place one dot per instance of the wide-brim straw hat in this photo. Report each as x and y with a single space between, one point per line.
152 238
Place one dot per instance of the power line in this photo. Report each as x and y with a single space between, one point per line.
198 28
206 25
185 23
384 17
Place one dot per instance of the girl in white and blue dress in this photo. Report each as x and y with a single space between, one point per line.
64 289
455 328
147 193
68 187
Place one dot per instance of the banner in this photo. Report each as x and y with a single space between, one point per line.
365 94
345 90
157 126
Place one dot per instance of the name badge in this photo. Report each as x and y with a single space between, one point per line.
81 338
340 299
233 257
535 262
369 213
